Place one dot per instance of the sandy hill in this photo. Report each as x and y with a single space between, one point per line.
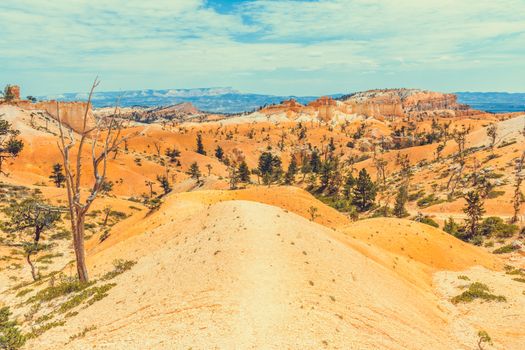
222 269
241 274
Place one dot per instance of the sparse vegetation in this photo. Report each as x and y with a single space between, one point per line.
477 290
508 248
120 266
11 338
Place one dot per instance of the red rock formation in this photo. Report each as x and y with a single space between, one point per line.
71 113
379 104
289 106
406 103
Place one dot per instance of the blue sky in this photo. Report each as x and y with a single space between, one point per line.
266 46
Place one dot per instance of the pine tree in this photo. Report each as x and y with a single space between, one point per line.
306 168
164 183
233 176
315 161
243 172
269 167
348 189
32 217
289 177
401 200
364 192
325 173
57 175
195 172
219 153
200 146
277 170
173 155
451 227
474 210
10 145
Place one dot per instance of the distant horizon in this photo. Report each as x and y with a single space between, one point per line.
225 99
244 92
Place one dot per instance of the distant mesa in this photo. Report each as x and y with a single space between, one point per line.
379 104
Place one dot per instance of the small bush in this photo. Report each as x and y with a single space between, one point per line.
120 266
509 248
494 226
426 220
97 293
36 332
511 270
64 287
429 200
82 334
477 290
62 234
10 336
23 292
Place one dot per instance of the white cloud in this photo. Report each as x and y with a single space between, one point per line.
54 46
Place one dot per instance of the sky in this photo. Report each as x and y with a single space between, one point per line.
281 47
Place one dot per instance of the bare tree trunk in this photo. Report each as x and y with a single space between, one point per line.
80 252
517 188
33 269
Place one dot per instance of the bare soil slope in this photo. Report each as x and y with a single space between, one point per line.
241 274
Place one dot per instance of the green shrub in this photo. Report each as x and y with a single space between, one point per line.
62 234
120 266
97 293
340 204
429 200
494 226
451 227
477 290
36 332
511 270
426 220
23 292
509 248
10 336
64 287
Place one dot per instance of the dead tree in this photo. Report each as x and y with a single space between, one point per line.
101 146
520 168
460 136
380 165
157 148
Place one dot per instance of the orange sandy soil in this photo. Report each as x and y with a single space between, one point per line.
215 270
248 269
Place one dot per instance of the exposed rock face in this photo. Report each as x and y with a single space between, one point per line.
406 103
71 113
378 104
181 112
289 106
177 111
